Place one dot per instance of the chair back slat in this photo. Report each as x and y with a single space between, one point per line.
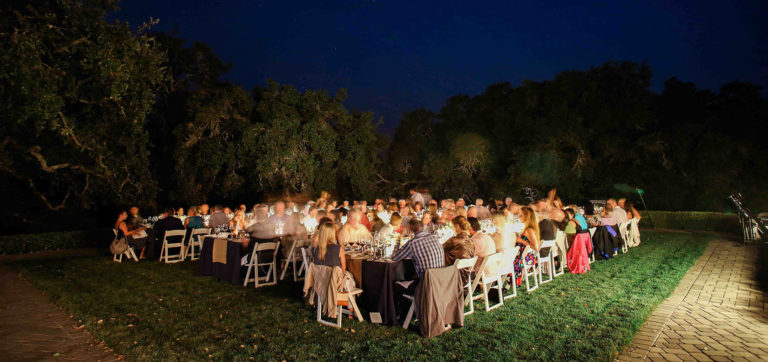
465 263
266 246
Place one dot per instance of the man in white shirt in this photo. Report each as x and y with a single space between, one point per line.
484 245
353 230
618 213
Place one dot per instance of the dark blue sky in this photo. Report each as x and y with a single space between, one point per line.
395 56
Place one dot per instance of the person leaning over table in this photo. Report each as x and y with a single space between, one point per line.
425 251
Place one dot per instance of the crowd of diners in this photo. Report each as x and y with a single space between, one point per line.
430 232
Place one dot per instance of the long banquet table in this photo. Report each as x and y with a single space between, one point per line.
377 279
221 258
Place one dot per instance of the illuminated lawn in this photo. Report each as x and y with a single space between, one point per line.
155 311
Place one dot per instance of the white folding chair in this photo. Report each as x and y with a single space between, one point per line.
292 258
633 231
550 246
624 232
529 270
351 293
306 258
506 269
129 253
561 253
195 241
488 280
468 265
165 255
254 273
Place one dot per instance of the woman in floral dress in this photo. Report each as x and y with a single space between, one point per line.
529 237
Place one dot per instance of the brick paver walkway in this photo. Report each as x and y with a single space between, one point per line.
717 312
32 329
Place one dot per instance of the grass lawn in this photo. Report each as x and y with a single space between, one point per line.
155 311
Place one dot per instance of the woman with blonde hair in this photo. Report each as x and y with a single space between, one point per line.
237 224
530 238
326 250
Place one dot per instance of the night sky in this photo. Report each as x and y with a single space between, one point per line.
395 56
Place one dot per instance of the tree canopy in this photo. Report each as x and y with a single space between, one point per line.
98 115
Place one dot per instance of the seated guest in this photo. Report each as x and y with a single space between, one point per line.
193 220
460 204
237 224
472 211
572 226
218 218
326 250
204 209
391 230
405 213
136 238
634 232
581 246
180 212
376 223
261 229
310 220
364 220
382 212
607 217
168 222
460 211
423 249
618 213
483 243
427 222
281 217
461 245
300 235
547 229
353 230
134 219
482 212
529 237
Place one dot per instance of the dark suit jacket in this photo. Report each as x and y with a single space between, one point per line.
165 224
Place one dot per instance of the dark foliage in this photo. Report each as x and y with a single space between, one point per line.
98 116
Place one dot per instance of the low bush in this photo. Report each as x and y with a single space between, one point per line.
28 243
691 220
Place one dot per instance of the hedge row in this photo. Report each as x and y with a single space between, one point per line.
691 220
27 243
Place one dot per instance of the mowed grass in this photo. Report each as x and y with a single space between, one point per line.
151 311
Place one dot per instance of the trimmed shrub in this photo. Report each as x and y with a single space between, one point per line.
28 243
691 220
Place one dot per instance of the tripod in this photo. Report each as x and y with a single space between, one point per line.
752 228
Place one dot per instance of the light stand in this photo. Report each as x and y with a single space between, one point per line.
751 227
